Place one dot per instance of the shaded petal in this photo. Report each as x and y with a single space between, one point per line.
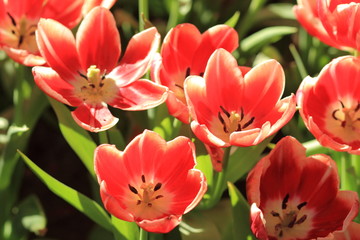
352 232
93 47
94 118
139 95
138 55
343 210
54 86
114 205
264 85
216 155
178 49
53 38
24 57
67 12
177 108
250 137
162 225
219 36
30 8
228 92
205 135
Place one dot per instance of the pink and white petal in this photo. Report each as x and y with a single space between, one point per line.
162 225
352 232
224 81
24 57
54 86
202 132
137 59
257 222
53 38
250 137
94 118
113 205
67 12
264 85
219 36
92 46
139 95
344 209
179 47
90 4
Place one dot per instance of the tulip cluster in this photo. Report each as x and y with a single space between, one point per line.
225 110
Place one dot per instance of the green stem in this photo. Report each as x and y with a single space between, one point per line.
143 13
173 14
345 176
144 235
103 137
220 181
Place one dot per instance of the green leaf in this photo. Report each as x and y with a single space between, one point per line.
259 39
32 215
240 213
82 203
231 22
78 138
126 230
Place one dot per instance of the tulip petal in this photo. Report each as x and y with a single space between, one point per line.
94 118
227 93
53 38
54 86
138 55
219 36
139 95
93 47
18 8
90 4
162 225
67 12
24 57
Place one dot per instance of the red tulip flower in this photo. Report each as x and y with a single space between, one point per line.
333 22
230 107
84 73
329 105
297 197
352 232
151 182
19 19
185 51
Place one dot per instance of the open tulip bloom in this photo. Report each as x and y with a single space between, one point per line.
329 105
333 22
19 19
297 197
229 107
185 51
151 182
85 73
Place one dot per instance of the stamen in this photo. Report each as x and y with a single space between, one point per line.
21 40
133 189
187 72
292 223
285 201
301 205
177 85
82 75
357 107
224 111
342 104
301 220
138 202
248 122
12 19
201 74
275 214
157 186
241 113
333 114
143 178
159 196
149 204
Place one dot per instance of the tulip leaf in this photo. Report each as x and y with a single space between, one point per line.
78 138
261 38
231 22
127 230
240 213
82 203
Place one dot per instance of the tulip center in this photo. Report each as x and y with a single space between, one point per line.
284 222
233 121
95 88
348 117
22 34
147 193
